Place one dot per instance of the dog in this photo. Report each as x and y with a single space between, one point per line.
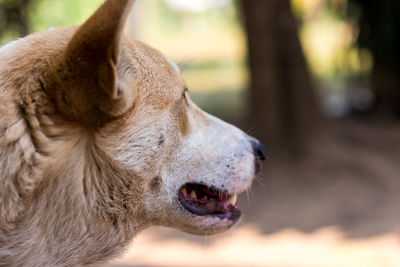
99 139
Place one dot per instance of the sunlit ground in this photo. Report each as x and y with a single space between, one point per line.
246 246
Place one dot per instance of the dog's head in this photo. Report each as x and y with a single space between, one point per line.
187 166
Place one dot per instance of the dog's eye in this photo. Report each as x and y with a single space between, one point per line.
184 96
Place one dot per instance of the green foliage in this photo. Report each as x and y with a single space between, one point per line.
44 14
41 15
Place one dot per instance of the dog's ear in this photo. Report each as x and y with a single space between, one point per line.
84 79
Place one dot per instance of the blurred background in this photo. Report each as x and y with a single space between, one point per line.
318 81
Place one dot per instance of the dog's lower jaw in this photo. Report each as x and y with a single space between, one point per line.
197 225
209 225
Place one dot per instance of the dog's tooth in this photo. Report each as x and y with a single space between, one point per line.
193 194
205 198
184 192
232 199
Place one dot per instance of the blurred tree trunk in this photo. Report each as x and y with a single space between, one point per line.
283 102
379 23
14 15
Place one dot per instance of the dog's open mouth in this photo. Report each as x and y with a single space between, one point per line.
203 200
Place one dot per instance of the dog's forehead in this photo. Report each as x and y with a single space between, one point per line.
157 77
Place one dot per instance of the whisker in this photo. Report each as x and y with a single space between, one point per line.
185 61
260 181
251 130
248 196
205 240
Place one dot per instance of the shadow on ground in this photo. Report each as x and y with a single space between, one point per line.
350 178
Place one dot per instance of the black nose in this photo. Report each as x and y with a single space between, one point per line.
259 150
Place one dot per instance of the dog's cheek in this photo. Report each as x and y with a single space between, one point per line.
155 185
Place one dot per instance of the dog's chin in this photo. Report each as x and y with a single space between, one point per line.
206 225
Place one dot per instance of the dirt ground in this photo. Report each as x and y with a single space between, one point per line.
337 205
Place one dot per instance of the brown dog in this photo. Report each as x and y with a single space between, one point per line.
99 139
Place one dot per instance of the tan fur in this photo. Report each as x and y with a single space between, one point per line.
95 140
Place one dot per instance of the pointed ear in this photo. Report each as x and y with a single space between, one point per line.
86 85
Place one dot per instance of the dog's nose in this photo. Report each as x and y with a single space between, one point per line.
258 149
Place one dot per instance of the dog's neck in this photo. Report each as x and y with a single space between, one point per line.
92 228
85 186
